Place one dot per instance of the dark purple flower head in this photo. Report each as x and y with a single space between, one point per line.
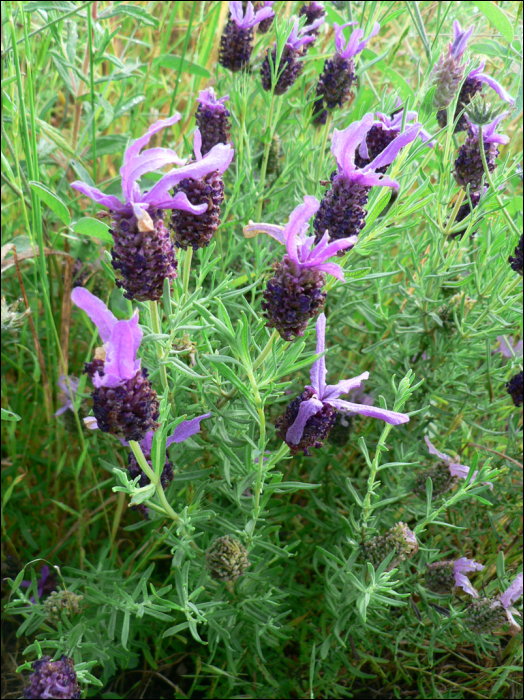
52 679
312 11
487 615
515 389
265 25
443 576
212 119
236 43
399 540
322 397
68 386
469 169
125 404
459 471
448 71
516 260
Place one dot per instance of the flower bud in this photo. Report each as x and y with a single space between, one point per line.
227 559
399 539
62 600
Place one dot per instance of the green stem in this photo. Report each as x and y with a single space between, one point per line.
188 257
267 146
508 218
265 352
92 88
261 446
142 461
155 323
323 147
372 475
454 213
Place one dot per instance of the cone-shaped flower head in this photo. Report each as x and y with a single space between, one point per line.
342 211
448 71
143 251
197 231
313 11
487 615
227 559
515 389
236 43
309 419
469 168
516 260
265 25
294 295
399 539
338 77
124 403
471 86
290 67
444 576
52 679
212 118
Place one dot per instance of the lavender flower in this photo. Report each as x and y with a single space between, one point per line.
515 389
448 71
236 43
486 615
469 169
52 679
471 86
197 231
342 211
509 348
308 420
125 404
399 539
312 11
265 25
516 260
338 77
45 584
143 251
212 118
290 67
294 294
444 576
68 389
341 430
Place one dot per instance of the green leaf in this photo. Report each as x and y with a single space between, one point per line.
52 201
497 19
94 228
138 13
108 145
9 415
130 104
82 172
179 64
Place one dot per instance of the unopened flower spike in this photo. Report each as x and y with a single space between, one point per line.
124 402
197 231
183 431
448 71
236 43
338 77
308 419
399 539
469 169
487 615
52 679
342 211
471 86
290 67
265 25
294 295
212 118
444 576
227 559
143 251
515 389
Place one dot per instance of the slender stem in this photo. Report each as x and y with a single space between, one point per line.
261 446
265 352
267 146
155 480
372 475
155 323
508 218
323 146
188 257
92 88
454 213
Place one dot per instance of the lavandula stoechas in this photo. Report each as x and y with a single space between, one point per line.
516 260
448 71
312 11
212 118
308 419
143 251
295 293
515 388
341 211
487 615
265 25
471 86
290 67
399 540
338 77
197 231
52 679
236 43
444 576
469 168
124 402
227 559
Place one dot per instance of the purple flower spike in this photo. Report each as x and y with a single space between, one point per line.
459 471
124 403
444 576
212 119
308 420
69 394
143 251
469 169
487 615
294 295
265 25
236 43
52 679
448 71
342 211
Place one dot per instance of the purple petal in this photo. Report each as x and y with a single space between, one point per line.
340 41
318 370
180 201
461 567
307 409
298 221
197 144
186 429
329 268
462 581
346 142
391 417
509 349
209 99
501 92
121 356
152 159
513 593
276 232
97 311
138 144
106 200
146 443
262 14
461 471
460 40
344 386
67 405
371 179
433 451
319 255
236 11
391 151
91 423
